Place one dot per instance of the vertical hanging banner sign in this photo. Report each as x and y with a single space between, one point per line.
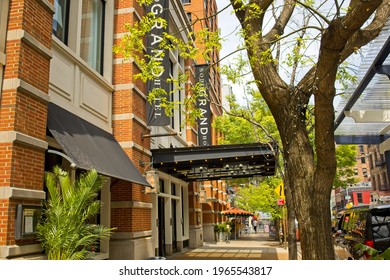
156 114
203 102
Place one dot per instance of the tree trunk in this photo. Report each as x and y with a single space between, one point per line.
291 234
310 186
310 173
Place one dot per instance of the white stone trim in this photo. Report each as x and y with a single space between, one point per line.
15 250
17 137
128 116
119 61
20 34
122 117
25 87
124 11
131 204
2 58
123 87
133 145
131 235
47 5
11 192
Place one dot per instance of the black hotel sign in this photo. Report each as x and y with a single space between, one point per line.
203 102
156 113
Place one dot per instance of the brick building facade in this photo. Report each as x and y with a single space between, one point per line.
56 58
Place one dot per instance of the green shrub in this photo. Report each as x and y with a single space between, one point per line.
65 231
221 227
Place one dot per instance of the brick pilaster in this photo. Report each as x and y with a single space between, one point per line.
23 112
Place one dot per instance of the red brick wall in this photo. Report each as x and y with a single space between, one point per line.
130 219
7 221
22 166
4 221
126 102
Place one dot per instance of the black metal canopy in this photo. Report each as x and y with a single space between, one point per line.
216 162
90 147
363 116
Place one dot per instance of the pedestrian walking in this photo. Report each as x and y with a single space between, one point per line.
254 224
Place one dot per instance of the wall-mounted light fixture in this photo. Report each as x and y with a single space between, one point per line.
152 178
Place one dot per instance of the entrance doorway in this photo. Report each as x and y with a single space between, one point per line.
161 227
174 221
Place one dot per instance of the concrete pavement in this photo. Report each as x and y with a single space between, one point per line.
252 246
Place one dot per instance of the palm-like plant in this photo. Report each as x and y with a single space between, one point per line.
65 231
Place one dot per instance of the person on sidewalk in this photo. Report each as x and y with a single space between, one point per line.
254 224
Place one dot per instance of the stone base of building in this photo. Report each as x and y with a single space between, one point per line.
32 251
196 237
208 232
131 246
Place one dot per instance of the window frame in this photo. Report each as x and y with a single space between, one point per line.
4 13
66 21
94 56
74 41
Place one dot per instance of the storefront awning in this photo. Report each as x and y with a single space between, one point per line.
91 147
216 162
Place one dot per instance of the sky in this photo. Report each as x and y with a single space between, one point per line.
229 25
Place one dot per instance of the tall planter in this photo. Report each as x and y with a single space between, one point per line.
221 231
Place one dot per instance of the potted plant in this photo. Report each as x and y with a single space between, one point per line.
66 231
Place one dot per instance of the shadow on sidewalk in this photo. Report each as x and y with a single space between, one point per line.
255 246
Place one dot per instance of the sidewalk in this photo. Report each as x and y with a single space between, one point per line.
253 246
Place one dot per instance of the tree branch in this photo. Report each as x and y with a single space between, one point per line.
363 37
357 38
257 125
314 11
281 22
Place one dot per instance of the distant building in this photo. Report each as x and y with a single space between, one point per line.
358 194
226 90
362 168
379 166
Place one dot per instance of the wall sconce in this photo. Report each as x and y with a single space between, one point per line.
152 179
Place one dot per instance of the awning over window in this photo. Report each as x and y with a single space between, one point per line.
217 162
91 147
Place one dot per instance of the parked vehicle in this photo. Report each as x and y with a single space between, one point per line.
369 225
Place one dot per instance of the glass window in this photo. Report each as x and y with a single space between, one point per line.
60 20
92 33
359 197
173 189
189 15
162 186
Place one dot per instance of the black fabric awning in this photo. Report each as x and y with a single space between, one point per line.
217 162
91 147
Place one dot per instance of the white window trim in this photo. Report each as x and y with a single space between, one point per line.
74 35
4 7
